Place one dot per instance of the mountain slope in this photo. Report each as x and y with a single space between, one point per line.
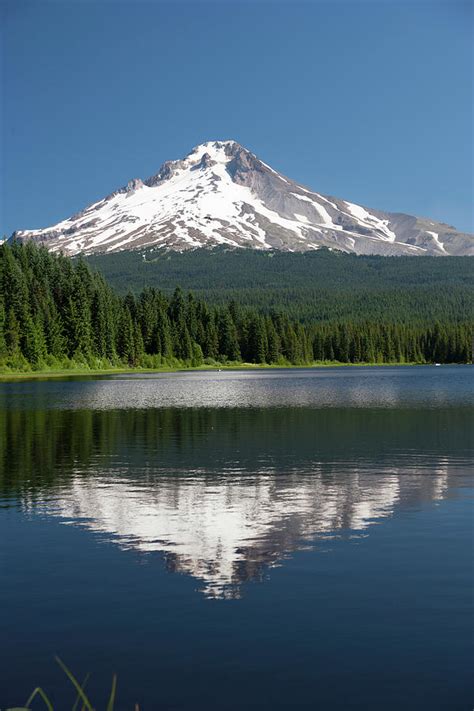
221 194
317 285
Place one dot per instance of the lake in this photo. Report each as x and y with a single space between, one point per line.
261 539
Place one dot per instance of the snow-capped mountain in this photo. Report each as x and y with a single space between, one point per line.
222 194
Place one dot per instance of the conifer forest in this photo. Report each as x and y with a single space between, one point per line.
61 313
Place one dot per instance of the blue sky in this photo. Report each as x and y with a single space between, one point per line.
369 101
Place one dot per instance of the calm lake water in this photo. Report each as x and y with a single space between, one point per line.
277 539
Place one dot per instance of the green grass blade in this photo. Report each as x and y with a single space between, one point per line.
110 705
83 686
76 684
39 692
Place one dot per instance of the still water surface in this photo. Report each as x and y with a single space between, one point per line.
240 540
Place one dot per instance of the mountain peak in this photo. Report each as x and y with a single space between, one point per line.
220 193
215 146
212 152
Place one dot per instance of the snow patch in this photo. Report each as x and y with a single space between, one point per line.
436 238
323 213
369 220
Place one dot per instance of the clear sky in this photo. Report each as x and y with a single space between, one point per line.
368 100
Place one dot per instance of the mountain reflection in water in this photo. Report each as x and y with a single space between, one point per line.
225 530
226 494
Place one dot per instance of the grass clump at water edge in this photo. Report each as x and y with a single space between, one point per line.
82 702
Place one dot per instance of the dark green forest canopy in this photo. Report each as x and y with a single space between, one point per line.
311 286
58 312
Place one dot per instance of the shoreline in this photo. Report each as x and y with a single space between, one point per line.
84 372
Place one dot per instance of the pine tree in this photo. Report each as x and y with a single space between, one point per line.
12 332
227 335
274 345
126 339
3 343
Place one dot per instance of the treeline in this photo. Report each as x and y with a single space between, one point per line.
55 312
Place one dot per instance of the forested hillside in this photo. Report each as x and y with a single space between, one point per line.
312 286
55 312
